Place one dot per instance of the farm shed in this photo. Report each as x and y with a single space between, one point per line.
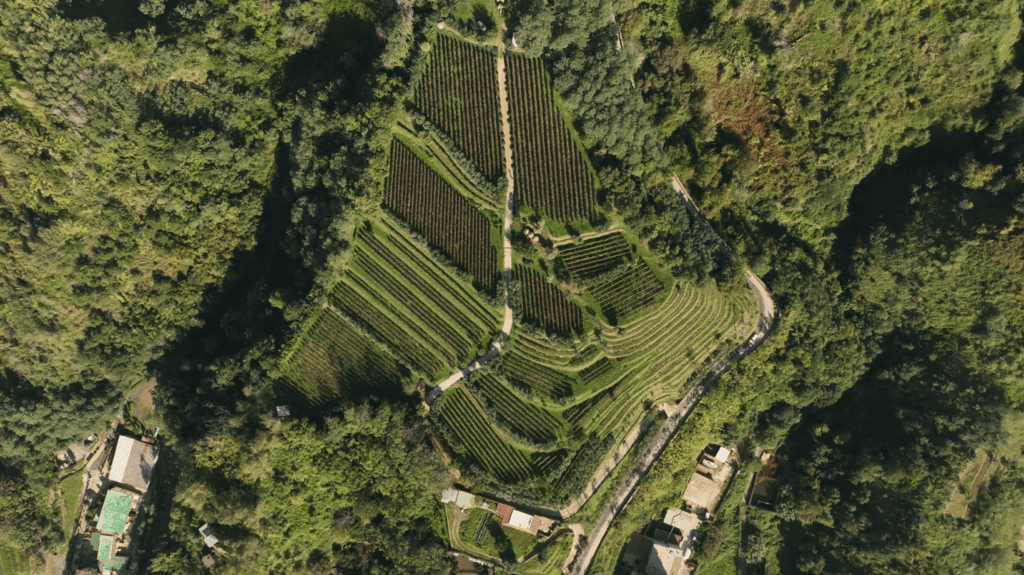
209 538
701 493
133 463
520 520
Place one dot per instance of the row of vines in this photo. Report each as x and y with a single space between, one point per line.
551 172
449 222
545 305
459 94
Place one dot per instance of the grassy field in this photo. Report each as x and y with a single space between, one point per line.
557 553
72 489
17 563
483 532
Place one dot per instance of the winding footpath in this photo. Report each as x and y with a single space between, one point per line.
506 326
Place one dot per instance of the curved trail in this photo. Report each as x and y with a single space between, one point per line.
506 327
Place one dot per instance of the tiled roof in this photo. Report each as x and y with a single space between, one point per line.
133 463
506 513
701 492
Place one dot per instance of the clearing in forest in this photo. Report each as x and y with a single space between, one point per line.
603 332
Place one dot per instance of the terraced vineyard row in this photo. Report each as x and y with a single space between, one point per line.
551 172
628 293
449 222
334 361
539 379
429 280
545 305
595 256
460 413
596 370
526 419
459 94
423 313
408 341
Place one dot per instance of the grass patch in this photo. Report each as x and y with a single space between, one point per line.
72 489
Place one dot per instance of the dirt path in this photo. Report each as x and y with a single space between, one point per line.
506 326
577 532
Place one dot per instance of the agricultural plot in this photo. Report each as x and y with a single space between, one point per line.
628 292
551 173
522 418
536 378
333 361
459 94
545 305
595 256
424 200
474 436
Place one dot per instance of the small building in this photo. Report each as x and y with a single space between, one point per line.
701 493
465 500
449 495
666 559
520 520
133 463
284 411
113 517
209 561
638 548
506 513
723 454
209 538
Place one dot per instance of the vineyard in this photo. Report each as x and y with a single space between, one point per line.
551 173
446 219
628 292
595 256
334 361
474 433
545 305
411 304
459 94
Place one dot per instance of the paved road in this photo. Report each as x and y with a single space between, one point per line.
766 322
506 326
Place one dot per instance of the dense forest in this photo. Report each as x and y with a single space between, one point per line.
179 181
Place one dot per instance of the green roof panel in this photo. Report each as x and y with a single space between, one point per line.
114 514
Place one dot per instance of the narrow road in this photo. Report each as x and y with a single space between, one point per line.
681 412
506 326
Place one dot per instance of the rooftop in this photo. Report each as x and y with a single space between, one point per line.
701 492
449 495
464 500
133 463
506 513
520 520
114 514
666 560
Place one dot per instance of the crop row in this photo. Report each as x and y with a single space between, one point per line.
594 371
335 361
352 302
424 200
538 378
545 305
461 415
400 252
595 256
628 292
422 313
525 419
459 94
551 172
